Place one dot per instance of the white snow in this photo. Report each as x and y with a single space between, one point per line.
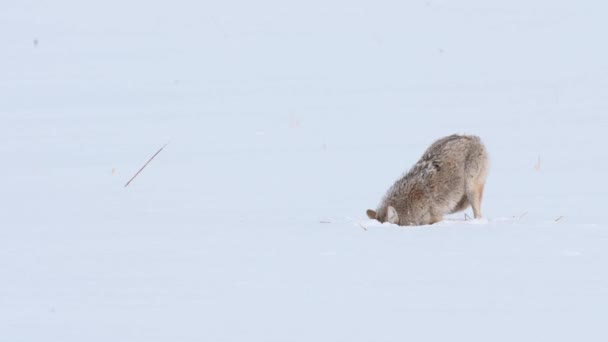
286 121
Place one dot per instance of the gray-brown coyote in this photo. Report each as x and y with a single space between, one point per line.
448 178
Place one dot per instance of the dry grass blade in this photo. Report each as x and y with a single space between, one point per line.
362 226
537 165
523 215
146 164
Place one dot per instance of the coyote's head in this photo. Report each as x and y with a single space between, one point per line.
388 214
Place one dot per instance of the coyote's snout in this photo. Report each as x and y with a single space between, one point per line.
448 178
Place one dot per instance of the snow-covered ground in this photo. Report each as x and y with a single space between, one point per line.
285 122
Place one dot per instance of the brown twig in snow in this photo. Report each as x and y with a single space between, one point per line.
146 164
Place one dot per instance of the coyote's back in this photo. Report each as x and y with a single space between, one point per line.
448 178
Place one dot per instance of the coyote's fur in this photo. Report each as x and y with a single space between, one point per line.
448 178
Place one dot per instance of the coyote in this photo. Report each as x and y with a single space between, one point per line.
448 178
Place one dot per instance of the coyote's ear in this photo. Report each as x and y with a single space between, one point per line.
371 214
392 216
